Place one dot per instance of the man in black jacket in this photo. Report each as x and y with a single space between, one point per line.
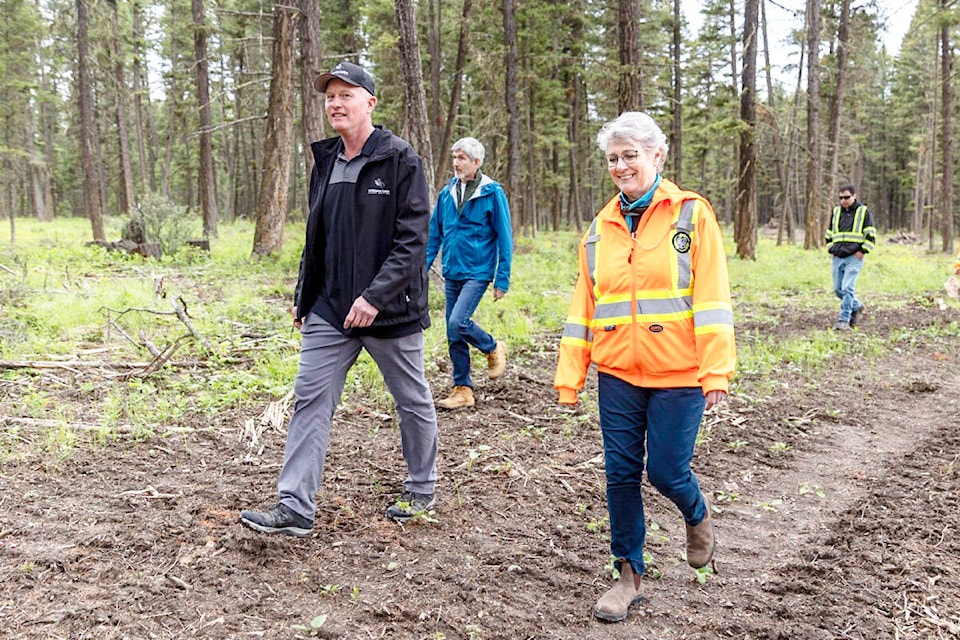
850 236
362 284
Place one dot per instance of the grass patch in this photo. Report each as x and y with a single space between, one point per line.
63 300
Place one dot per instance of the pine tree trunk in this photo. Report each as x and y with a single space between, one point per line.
946 124
813 238
88 127
138 98
49 162
676 135
511 89
208 183
272 201
628 85
746 227
836 101
125 197
446 141
415 127
311 63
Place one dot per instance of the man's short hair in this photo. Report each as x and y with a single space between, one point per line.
470 146
848 187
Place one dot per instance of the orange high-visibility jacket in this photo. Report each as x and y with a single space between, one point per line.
652 309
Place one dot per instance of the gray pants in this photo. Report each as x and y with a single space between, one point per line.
326 356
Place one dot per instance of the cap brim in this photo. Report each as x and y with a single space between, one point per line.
320 84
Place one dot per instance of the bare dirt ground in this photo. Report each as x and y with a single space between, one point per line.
837 496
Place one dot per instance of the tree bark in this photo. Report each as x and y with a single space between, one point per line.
511 89
416 130
745 228
628 85
813 238
125 197
138 98
88 127
676 136
272 201
208 183
946 128
311 65
836 101
446 141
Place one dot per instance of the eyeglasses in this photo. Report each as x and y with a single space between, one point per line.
845 197
628 157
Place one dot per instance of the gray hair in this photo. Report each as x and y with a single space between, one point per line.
638 127
470 146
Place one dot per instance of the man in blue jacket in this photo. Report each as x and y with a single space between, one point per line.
362 285
470 228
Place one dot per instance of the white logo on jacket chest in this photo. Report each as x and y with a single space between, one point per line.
379 188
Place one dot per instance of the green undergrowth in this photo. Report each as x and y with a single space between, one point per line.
64 301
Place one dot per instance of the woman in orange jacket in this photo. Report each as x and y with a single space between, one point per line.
652 309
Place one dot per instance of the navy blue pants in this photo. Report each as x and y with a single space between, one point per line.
661 424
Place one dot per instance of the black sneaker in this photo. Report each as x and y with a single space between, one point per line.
855 316
279 519
410 505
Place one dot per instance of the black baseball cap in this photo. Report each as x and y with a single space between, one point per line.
349 73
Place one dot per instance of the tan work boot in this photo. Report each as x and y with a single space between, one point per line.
701 543
614 605
496 361
461 396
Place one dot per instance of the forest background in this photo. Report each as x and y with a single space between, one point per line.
202 111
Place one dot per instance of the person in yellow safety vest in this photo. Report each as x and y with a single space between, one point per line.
850 236
652 308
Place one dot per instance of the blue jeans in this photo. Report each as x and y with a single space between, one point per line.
663 424
845 273
463 298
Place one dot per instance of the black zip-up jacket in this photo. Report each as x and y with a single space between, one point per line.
387 262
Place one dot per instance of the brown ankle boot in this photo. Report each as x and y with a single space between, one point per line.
701 543
614 605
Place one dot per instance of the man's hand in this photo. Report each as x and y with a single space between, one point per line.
361 314
498 293
297 321
859 255
714 398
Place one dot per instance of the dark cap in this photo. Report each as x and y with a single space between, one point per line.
349 73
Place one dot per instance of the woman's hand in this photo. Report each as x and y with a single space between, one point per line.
714 398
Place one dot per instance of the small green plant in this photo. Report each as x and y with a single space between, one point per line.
816 490
28 567
329 589
724 496
598 526
736 445
703 573
314 625
164 222
355 594
779 448
770 506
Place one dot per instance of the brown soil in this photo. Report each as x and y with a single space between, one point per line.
836 495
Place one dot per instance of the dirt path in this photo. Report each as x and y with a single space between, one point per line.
839 517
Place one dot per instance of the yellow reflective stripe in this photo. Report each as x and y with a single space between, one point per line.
577 329
648 306
575 342
713 328
664 317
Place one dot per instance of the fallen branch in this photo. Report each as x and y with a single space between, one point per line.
72 365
